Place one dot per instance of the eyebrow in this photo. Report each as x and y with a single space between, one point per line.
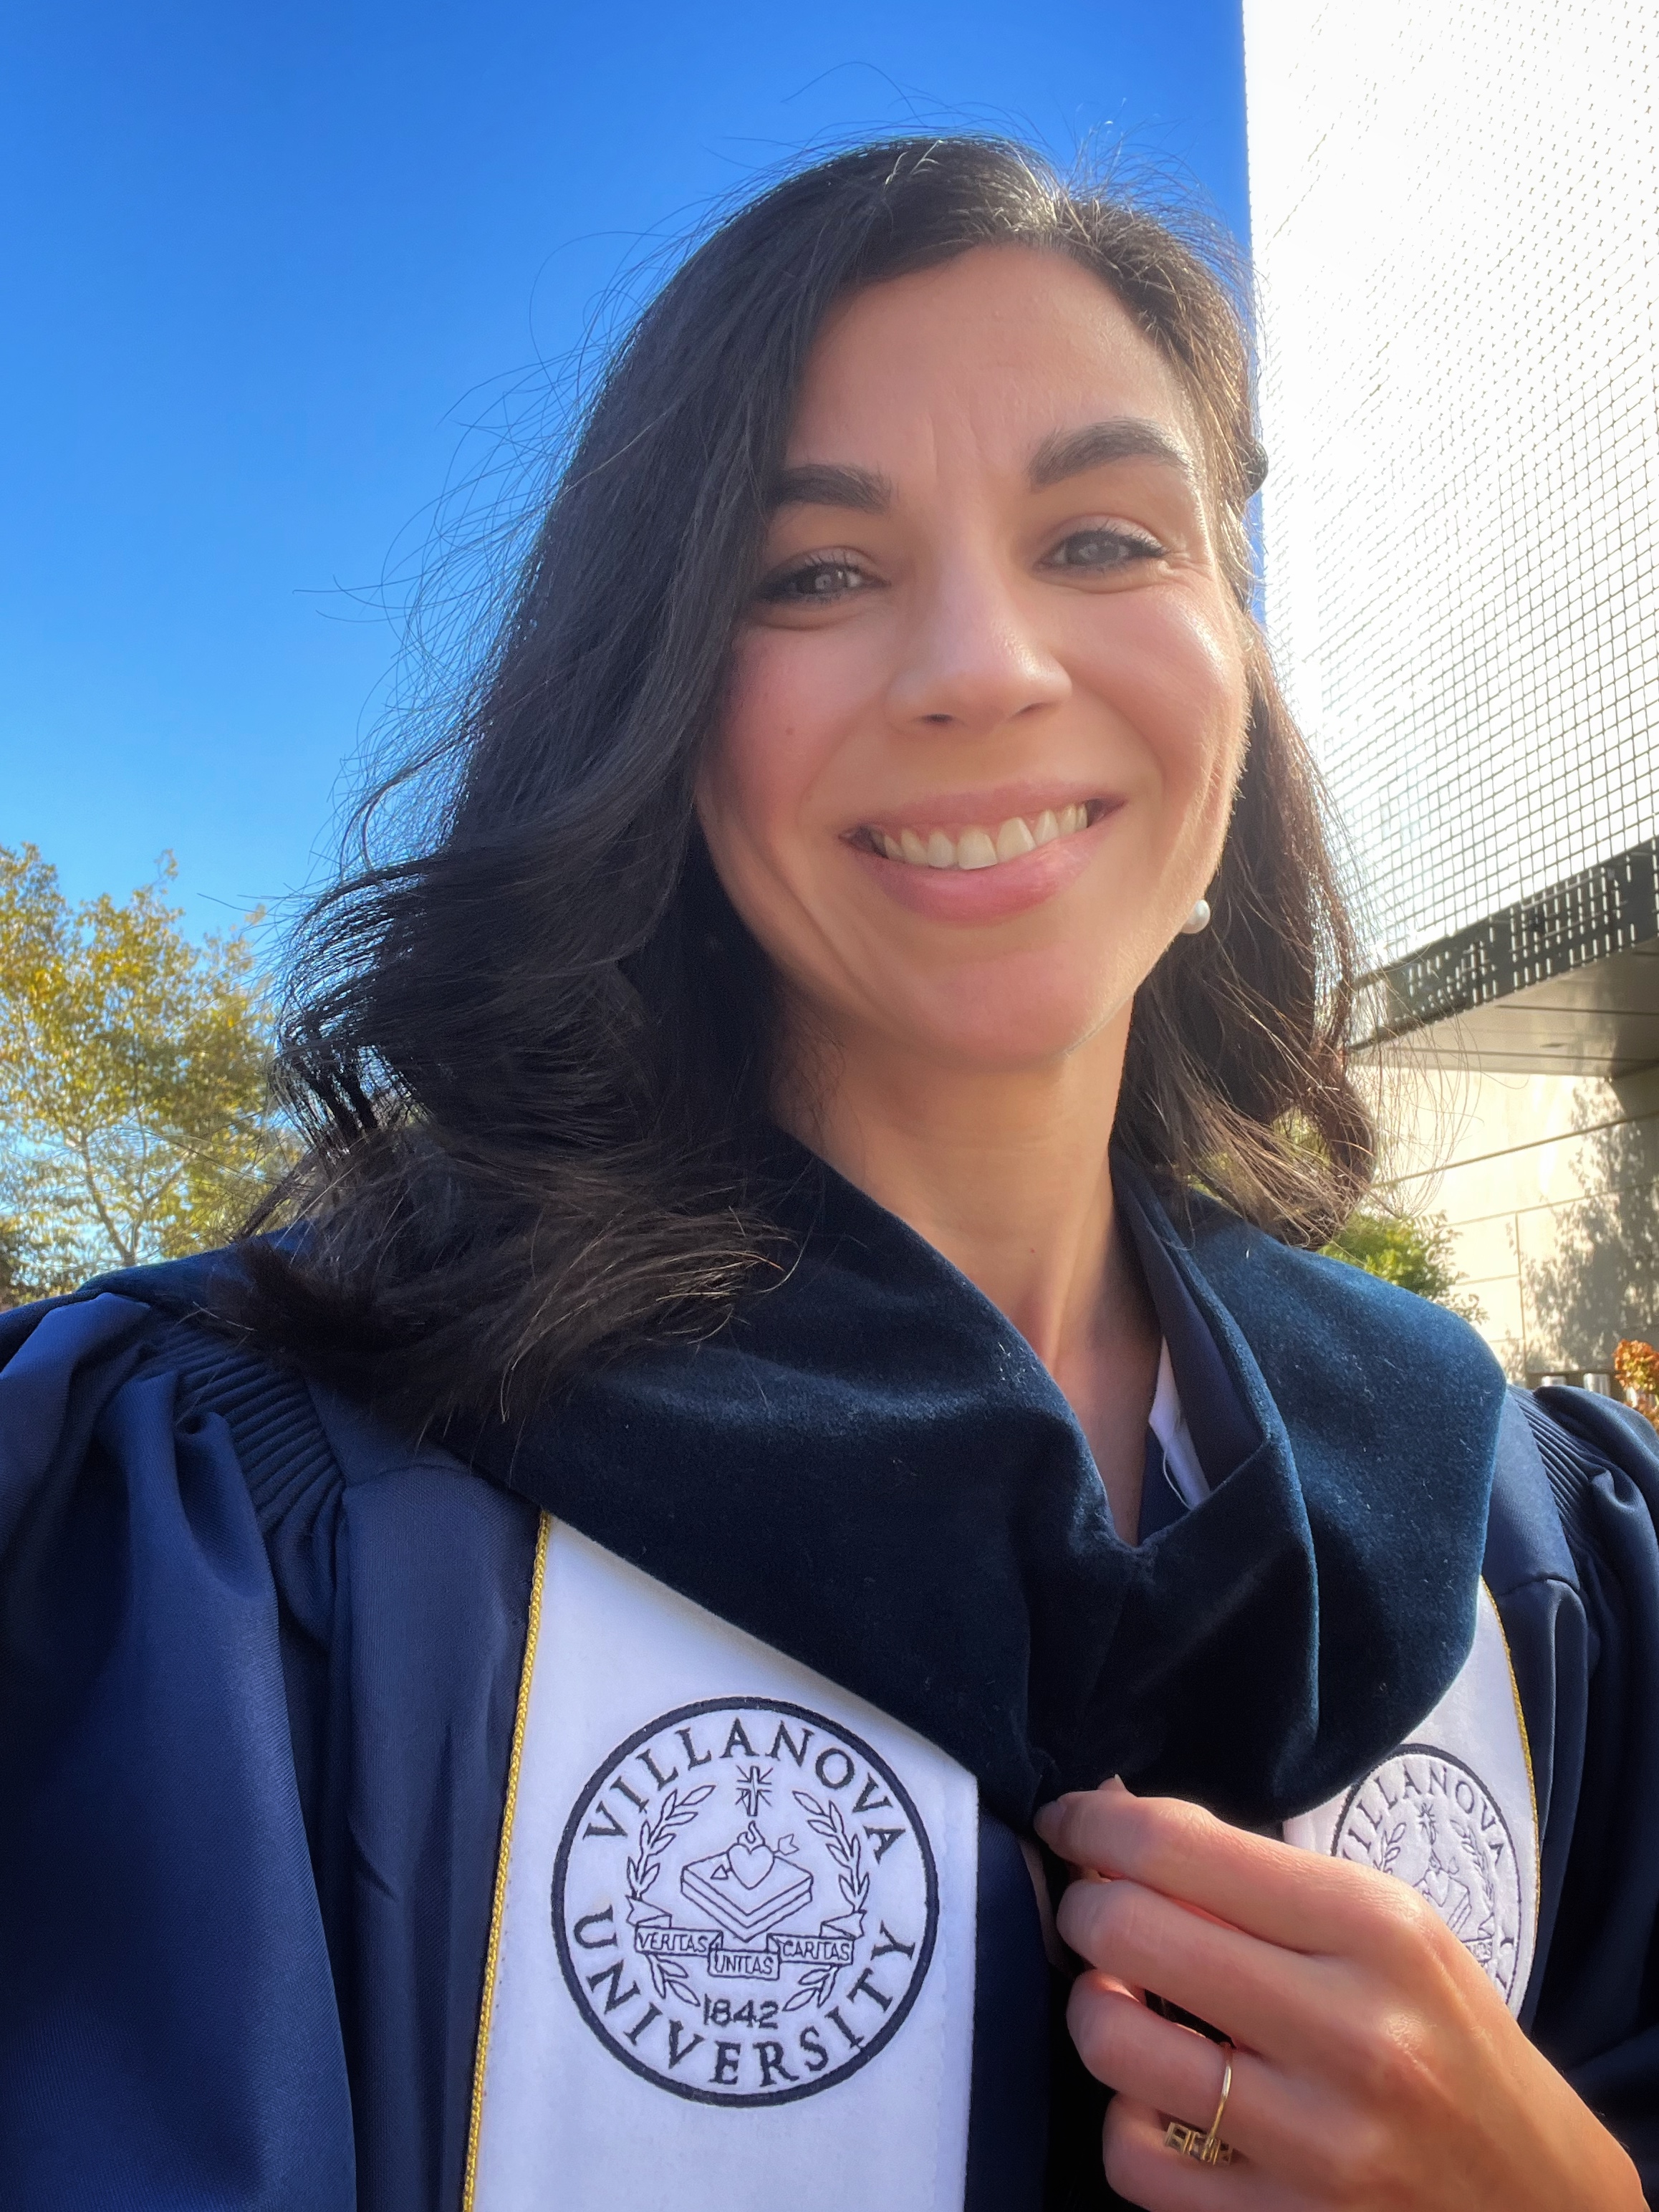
1120 438
825 484
1066 453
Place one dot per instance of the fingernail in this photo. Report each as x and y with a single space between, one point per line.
1045 1820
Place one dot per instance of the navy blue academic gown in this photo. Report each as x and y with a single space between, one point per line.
261 1657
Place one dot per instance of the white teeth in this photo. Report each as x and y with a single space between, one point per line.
974 848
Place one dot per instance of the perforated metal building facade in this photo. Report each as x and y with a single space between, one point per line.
1454 215
1455 211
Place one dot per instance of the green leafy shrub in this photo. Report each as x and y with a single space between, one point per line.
1414 1251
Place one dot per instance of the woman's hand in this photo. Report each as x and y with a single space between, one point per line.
1375 2066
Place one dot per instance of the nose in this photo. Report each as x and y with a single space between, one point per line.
972 659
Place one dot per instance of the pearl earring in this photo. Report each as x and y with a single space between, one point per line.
1198 920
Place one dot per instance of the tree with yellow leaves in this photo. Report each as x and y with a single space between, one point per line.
135 1119
1636 1371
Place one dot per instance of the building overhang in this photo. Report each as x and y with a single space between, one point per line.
1565 983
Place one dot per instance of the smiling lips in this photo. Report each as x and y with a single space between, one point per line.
975 847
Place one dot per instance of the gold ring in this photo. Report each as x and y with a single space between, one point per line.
1208 2149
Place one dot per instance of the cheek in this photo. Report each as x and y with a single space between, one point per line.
768 751
1176 675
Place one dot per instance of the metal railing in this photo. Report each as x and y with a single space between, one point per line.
1608 909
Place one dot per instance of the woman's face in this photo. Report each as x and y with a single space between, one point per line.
987 709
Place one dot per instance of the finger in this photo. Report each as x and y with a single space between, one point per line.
1340 2081
1294 1899
1142 2168
1273 2000
1154 2061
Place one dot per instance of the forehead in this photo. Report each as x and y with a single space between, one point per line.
1006 345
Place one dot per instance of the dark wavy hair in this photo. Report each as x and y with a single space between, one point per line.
532 1061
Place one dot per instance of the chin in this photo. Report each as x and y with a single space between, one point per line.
1001 1027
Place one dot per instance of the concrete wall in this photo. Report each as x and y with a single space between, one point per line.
1550 1186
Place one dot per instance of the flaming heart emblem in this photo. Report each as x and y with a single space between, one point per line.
750 1863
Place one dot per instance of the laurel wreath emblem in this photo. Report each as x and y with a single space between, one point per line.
668 1976
817 1984
1473 1862
1480 1862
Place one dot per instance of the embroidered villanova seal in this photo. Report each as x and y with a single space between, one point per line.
745 1902
1428 1819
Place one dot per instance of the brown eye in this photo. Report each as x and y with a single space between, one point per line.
813 584
1098 549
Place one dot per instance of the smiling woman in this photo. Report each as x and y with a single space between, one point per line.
787 1369
556 1010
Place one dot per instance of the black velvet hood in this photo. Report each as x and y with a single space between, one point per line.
871 1470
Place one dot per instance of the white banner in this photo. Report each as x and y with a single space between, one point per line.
731 1966
1453 1813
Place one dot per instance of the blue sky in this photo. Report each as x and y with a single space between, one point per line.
264 266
